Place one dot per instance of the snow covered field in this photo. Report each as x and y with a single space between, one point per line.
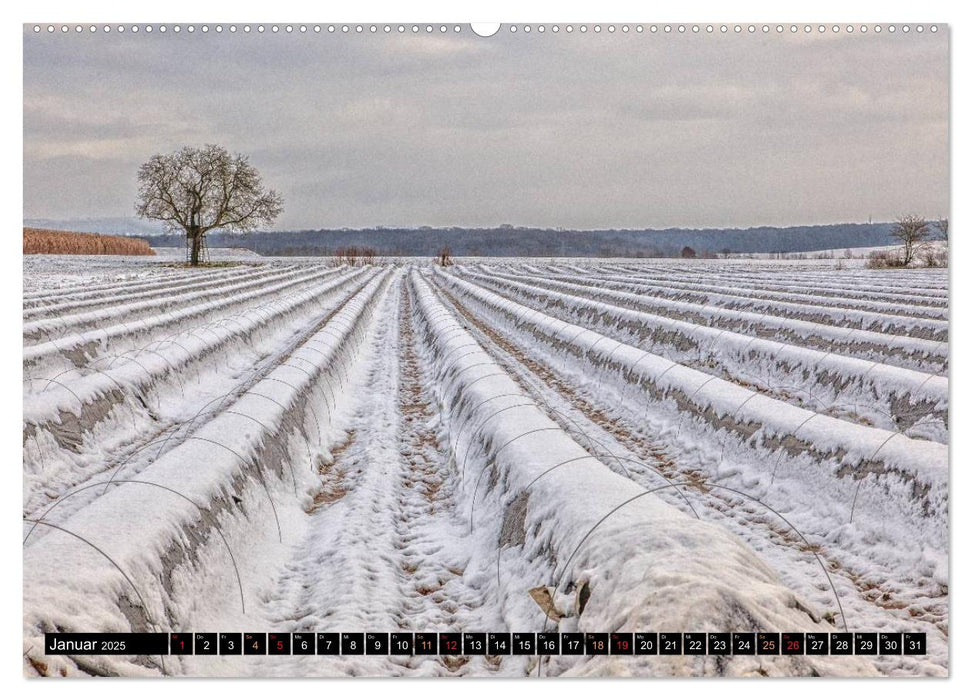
664 445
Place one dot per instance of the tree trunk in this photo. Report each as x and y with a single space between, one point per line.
196 247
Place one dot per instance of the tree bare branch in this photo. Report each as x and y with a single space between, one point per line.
197 190
913 232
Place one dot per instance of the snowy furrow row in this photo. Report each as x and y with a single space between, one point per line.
550 514
887 396
908 351
822 271
889 476
56 326
818 312
198 534
834 293
916 355
155 279
792 301
844 284
73 423
121 294
79 349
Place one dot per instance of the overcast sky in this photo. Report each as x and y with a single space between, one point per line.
585 131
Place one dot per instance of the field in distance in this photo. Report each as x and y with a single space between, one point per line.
39 241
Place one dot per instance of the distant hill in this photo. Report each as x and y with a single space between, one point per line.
113 226
535 242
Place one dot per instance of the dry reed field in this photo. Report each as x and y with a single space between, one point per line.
45 241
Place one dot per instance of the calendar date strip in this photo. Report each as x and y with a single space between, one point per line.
488 643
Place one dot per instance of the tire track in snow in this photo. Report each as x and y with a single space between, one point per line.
384 547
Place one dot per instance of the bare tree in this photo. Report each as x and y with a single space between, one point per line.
941 227
913 232
196 190
445 256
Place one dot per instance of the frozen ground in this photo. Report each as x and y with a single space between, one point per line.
215 254
285 445
47 273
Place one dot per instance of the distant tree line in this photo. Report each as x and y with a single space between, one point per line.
533 242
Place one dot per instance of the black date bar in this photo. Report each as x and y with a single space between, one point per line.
116 644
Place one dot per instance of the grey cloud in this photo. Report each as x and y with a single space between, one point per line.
586 131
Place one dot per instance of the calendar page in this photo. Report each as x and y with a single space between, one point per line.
519 350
